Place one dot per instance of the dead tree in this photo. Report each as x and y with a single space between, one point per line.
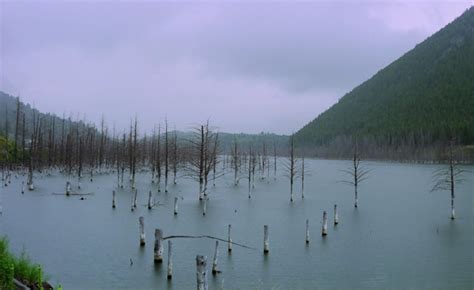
263 160
158 159
291 166
302 177
357 173
274 160
447 178
174 156
17 128
166 156
251 160
133 151
235 161
203 152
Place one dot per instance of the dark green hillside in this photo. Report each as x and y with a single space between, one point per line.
419 100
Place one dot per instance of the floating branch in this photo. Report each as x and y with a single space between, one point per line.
207 237
73 193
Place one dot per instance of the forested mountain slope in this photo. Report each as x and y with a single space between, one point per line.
417 102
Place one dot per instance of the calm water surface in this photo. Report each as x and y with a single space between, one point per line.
399 237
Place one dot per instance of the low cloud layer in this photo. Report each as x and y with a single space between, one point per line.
246 66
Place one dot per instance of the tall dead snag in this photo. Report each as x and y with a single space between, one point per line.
17 128
158 159
166 156
235 161
174 156
291 166
274 160
447 177
134 151
203 154
302 177
264 160
153 156
357 173
215 159
250 165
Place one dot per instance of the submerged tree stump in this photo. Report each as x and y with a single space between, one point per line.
229 239
201 272
68 188
135 198
170 261
141 221
204 206
149 200
214 261
175 205
307 231
324 230
158 249
266 247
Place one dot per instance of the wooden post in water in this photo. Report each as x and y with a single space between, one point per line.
68 188
336 217
135 198
113 199
141 221
175 205
453 213
307 231
149 199
170 261
158 249
204 207
22 187
266 247
229 240
214 261
324 230
201 273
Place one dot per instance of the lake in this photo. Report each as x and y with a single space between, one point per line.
400 236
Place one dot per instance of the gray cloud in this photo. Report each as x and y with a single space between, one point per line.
246 66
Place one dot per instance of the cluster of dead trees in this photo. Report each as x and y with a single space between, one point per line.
77 148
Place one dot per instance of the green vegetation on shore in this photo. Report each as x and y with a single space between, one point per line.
20 268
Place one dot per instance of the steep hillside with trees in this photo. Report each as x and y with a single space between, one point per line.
409 108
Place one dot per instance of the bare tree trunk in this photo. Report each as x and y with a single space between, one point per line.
201 272
141 221
158 249
170 261
214 261
302 178
324 230
266 245
166 156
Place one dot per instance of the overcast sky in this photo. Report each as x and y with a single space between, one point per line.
246 66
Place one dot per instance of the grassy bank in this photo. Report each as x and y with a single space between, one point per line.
20 268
